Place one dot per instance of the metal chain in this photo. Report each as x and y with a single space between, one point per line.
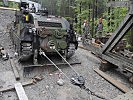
93 93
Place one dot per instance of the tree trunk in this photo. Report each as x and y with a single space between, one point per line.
131 38
93 15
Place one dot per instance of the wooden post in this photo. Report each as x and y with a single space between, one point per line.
96 16
109 18
112 17
14 68
89 16
5 89
131 39
20 92
96 7
93 15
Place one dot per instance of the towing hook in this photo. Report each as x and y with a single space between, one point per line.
78 81
52 47
51 44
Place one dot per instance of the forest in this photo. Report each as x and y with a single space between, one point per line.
76 11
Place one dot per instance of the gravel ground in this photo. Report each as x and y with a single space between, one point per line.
47 89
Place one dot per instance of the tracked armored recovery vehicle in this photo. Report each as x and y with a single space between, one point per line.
34 33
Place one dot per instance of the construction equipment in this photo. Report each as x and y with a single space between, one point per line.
33 32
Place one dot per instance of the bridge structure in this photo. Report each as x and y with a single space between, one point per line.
106 51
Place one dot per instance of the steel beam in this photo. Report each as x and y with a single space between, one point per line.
123 24
120 57
118 4
123 64
121 35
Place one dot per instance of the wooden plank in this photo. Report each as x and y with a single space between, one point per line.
15 71
114 61
90 48
117 61
119 85
5 89
118 4
15 1
5 8
129 69
96 45
20 92
82 47
120 57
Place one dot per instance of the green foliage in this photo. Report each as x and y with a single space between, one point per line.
116 17
11 4
86 10
1 3
71 9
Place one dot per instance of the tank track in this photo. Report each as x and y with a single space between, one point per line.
26 51
71 50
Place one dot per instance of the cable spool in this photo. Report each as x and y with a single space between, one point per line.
62 44
51 44
58 34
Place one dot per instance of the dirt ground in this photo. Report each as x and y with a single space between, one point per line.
48 89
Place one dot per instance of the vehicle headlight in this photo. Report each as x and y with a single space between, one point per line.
58 34
34 29
30 30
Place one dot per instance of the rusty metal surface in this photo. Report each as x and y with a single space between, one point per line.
43 32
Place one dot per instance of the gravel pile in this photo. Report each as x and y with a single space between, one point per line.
6 17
